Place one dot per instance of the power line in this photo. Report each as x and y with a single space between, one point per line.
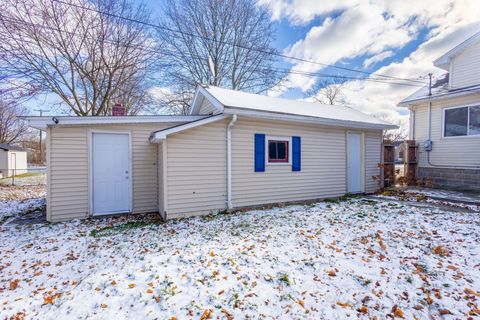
284 70
232 44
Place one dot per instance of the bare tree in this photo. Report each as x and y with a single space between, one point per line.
12 127
225 43
328 91
79 50
393 135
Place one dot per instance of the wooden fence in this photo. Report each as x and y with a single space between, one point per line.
410 162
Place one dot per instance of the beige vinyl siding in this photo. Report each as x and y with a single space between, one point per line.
373 156
450 151
196 170
68 161
465 68
323 164
3 163
207 108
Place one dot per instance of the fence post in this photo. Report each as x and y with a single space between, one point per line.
388 163
411 161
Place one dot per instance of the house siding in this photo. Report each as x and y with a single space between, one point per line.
68 172
373 157
452 151
323 168
207 108
196 169
196 172
466 68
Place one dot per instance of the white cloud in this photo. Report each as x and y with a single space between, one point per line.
375 29
377 58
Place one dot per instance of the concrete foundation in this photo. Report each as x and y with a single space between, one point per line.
458 179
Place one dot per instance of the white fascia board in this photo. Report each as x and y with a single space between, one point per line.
42 123
197 101
158 136
308 119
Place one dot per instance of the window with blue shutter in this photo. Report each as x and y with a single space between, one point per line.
259 152
296 153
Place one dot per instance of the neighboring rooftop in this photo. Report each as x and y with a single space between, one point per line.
439 90
444 61
9 147
259 103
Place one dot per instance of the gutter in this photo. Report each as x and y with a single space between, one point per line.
229 161
274 115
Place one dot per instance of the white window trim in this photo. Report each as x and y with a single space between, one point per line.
277 138
468 136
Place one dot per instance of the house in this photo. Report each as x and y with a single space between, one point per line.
447 123
234 150
13 160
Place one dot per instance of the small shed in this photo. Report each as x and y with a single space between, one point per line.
13 160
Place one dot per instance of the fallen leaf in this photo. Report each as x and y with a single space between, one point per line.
227 314
131 285
363 309
444 311
441 251
472 292
397 312
48 300
149 290
14 284
331 273
301 303
207 314
103 305
343 304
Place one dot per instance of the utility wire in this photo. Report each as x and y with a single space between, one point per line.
232 44
201 59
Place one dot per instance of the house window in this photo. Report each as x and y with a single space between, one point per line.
462 121
278 151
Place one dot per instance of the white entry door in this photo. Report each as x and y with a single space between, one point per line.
354 162
111 176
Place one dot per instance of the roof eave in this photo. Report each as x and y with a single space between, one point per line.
448 95
308 119
42 123
159 136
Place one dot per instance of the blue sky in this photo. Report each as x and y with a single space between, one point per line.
399 38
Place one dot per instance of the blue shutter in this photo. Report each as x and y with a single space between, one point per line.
259 152
296 153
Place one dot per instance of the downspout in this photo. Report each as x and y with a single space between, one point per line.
412 114
229 161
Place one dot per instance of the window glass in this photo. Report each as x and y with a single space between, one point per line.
474 121
277 151
456 122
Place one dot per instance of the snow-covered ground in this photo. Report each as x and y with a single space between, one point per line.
18 200
359 258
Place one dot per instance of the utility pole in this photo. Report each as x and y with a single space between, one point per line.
430 84
41 111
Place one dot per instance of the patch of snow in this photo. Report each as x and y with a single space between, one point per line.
18 200
360 258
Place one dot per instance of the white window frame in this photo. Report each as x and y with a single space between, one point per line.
468 122
277 138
